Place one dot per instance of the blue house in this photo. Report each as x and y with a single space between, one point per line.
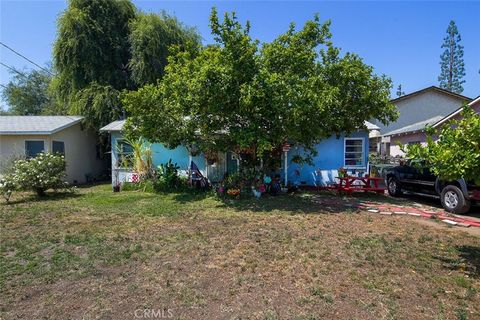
350 152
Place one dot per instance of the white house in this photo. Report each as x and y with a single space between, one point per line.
26 136
417 109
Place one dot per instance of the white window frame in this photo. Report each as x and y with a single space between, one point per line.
364 165
45 145
119 154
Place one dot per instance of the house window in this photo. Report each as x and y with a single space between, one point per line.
354 152
124 154
58 147
34 147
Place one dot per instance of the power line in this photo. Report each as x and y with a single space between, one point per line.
21 55
13 69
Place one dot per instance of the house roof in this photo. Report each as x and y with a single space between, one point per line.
36 125
371 126
118 126
414 127
114 126
431 88
456 112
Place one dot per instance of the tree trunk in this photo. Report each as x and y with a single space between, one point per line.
40 192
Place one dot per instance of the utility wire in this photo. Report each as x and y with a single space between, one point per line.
13 69
21 55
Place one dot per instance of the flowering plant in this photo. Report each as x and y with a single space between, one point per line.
233 192
7 186
45 171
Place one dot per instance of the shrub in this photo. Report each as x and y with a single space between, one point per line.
45 171
7 186
168 178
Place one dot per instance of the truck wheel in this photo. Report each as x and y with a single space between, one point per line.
393 187
453 200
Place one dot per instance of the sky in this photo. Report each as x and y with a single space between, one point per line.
399 39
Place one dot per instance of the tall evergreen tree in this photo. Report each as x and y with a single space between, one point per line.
399 91
451 61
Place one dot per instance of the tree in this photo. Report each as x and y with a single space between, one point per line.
232 95
451 61
27 93
399 91
104 47
456 154
150 39
91 55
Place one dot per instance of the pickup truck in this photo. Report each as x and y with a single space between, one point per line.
456 196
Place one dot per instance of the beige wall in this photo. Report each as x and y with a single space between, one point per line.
80 150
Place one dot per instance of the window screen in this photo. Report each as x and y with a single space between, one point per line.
58 147
354 153
32 148
124 154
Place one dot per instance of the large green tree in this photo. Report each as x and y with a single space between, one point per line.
106 46
238 95
27 93
453 150
150 38
451 61
92 51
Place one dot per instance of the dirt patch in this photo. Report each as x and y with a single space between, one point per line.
283 258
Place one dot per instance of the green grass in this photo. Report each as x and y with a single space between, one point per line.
278 257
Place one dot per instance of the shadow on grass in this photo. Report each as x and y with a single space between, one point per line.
471 255
191 196
290 203
49 196
468 259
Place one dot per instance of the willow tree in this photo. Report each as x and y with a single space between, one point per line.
237 95
150 40
106 46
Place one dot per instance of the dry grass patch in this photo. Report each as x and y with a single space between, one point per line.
100 255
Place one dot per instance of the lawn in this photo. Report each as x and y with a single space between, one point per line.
100 255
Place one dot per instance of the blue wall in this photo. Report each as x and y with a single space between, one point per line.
160 155
330 157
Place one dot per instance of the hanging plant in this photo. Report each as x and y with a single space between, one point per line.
211 157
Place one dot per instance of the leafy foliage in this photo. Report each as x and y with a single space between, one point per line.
238 95
106 46
168 178
92 43
150 39
99 104
456 154
451 61
45 171
27 93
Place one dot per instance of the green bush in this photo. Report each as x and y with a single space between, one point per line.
45 171
7 186
168 178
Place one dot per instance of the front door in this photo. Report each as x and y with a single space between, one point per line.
217 170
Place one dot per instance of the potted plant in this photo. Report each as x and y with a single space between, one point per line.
342 172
